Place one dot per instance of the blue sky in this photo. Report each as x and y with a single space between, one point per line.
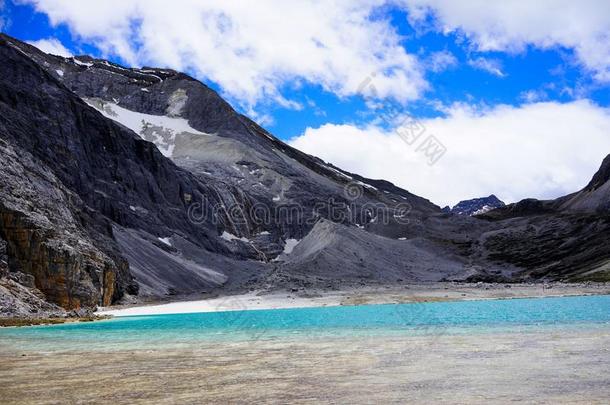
300 69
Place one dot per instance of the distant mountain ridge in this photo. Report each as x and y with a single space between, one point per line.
475 206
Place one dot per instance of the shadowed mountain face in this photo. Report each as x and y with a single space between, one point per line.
563 239
122 181
69 175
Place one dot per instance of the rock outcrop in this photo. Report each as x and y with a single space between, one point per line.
41 223
68 174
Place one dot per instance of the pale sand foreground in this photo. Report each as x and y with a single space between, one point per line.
544 367
427 292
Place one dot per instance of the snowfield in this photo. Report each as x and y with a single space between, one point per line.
162 130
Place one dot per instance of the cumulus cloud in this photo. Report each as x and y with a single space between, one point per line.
512 25
540 150
250 49
52 46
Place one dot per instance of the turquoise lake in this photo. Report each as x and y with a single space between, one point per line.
418 318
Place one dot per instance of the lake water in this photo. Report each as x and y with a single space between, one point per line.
432 319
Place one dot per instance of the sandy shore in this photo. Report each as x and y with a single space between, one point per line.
543 367
428 292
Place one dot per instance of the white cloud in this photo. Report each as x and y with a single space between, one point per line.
52 46
252 49
4 21
532 96
540 150
442 60
512 25
492 66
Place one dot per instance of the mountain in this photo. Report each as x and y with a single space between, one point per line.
123 184
101 205
595 197
476 206
69 177
563 239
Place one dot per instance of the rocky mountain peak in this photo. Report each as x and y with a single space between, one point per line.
601 177
594 198
476 206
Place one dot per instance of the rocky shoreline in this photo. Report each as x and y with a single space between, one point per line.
18 322
21 304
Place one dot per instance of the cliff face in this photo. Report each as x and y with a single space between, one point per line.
48 229
3 258
43 236
68 174
68 278
70 177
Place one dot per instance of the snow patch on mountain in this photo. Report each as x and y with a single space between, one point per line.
79 63
162 130
165 241
230 237
483 210
290 245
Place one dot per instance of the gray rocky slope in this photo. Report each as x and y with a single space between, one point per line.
122 182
